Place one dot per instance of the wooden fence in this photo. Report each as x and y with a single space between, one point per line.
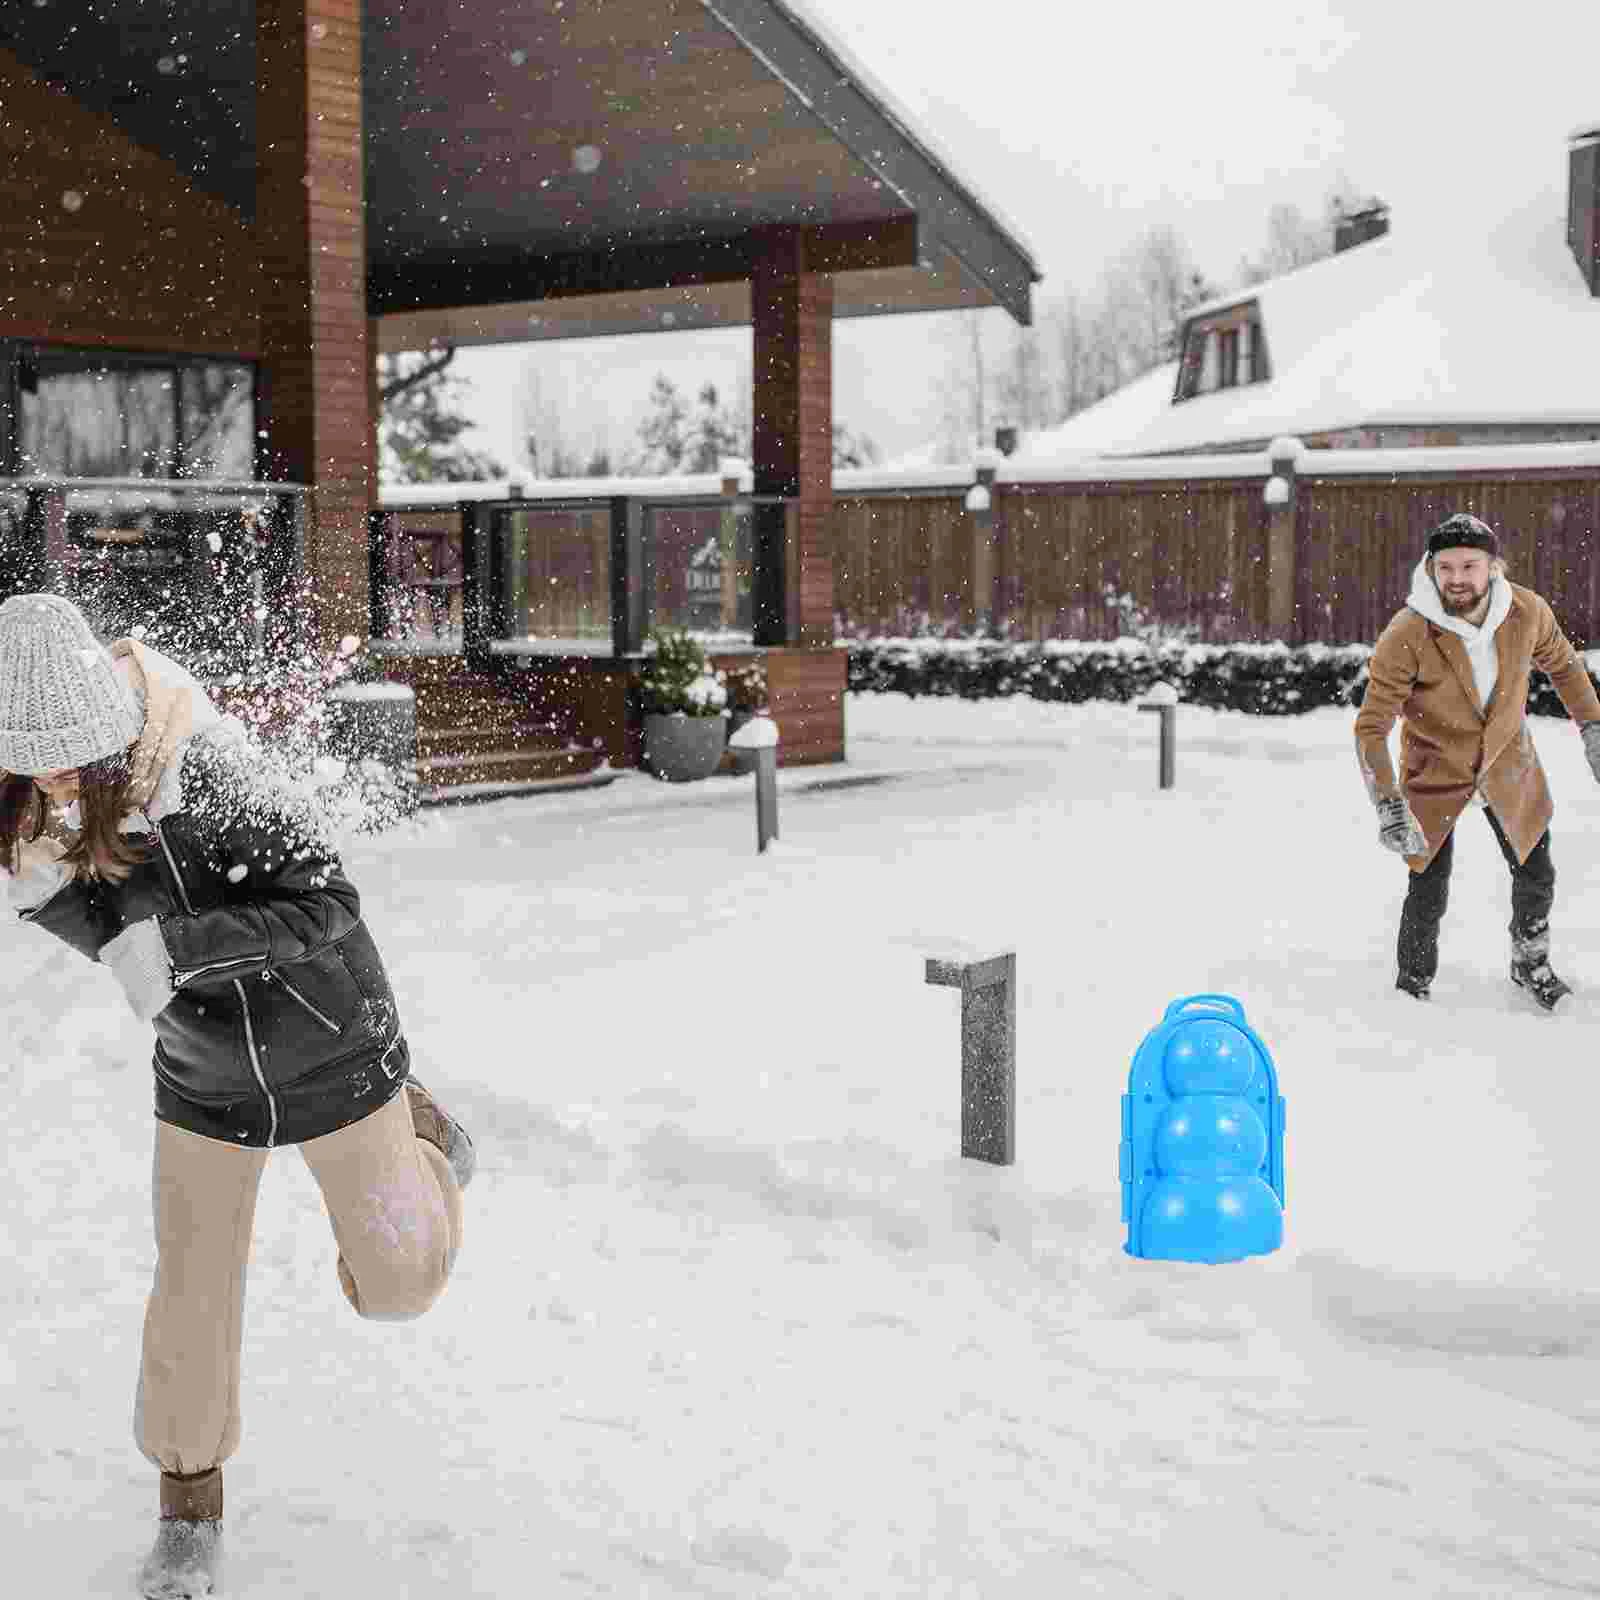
1358 540
1087 557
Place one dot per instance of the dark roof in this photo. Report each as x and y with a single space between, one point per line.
585 165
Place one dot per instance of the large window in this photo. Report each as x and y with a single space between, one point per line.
148 531
95 414
557 576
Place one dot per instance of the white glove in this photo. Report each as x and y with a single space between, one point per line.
1398 828
139 962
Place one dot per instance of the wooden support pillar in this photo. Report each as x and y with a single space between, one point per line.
315 378
792 445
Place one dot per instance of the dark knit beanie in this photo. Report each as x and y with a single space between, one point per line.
1463 531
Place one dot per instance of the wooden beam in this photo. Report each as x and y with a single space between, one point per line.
827 248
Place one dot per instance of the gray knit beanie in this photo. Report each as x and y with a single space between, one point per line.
61 702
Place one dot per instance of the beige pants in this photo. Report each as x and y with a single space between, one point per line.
395 1207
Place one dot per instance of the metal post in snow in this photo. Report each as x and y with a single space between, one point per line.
988 1052
760 734
1163 698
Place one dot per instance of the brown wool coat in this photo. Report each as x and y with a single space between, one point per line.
1421 674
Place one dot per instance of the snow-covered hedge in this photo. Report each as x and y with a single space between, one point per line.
1270 680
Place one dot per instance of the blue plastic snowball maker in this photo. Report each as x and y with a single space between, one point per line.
1202 1138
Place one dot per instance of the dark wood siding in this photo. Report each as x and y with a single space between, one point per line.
103 242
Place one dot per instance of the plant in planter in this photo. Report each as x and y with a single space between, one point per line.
684 726
747 698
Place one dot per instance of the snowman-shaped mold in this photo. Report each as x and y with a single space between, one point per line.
1202 1138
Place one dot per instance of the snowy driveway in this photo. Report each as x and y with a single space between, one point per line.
731 1320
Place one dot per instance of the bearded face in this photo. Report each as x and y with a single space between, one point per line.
1462 578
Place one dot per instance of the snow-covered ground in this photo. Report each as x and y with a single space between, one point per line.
733 1319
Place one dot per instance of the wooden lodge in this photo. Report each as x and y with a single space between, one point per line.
219 213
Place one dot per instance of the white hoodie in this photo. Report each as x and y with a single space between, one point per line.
1424 598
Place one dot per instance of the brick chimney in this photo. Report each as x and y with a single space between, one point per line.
1356 227
1583 205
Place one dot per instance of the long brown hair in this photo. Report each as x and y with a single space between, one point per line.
99 849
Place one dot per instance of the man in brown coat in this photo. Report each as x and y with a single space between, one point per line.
1454 667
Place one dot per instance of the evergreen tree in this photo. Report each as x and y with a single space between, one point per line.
854 449
662 437
711 434
422 422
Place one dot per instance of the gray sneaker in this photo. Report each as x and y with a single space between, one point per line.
442 1131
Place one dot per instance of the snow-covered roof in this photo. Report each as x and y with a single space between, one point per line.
1104 425
825 34
1471 310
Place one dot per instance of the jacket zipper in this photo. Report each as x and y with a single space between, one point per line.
244 1004
189 974
269 976
255 1062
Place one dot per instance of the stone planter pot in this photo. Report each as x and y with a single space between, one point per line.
680 749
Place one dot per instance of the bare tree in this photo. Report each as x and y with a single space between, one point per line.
1024 386
1074 360
537 427
396 376
979 378
1293 240
966 405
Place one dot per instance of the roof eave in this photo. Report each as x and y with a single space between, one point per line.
824 83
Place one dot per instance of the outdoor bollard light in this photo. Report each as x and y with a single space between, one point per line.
988 1053
1163 698
1201 1156
760 734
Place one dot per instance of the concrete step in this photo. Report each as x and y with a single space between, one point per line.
484 739
504 766
468 793
445 710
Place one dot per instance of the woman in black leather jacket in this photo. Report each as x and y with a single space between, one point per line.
153 837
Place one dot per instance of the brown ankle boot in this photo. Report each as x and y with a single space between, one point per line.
186 1563
433 1123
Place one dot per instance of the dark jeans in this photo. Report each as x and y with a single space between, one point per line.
1533 888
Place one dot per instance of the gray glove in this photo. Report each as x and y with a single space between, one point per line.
1398 829
139 962
1591 747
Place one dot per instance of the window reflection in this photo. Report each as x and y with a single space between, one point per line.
84 414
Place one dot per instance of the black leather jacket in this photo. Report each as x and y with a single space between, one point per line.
283 1027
